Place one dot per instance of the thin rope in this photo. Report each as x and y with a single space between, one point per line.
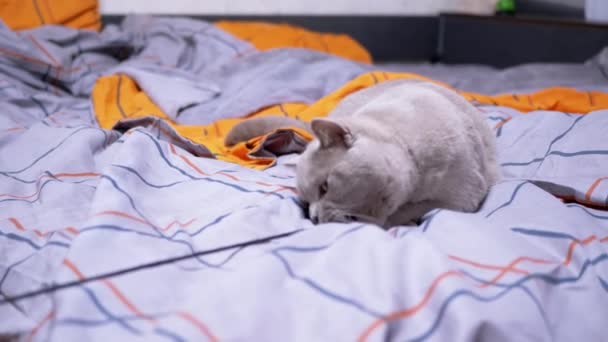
62 286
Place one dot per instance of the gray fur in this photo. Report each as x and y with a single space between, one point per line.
256 127
392 152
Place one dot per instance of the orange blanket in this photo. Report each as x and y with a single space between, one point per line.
266 36
135 103
118 97
79 14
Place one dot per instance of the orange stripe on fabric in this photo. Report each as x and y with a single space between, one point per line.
502 122
573 244
74 269
124 215
59 68
279 189
59 175
39 233
198 324
72 230
22 196
187 161
117 293
411 310
510 267
229 176
176 222
47 318
44 51
123 299
592 188
137 219
193 166
21 56
76 174
485 266
16 223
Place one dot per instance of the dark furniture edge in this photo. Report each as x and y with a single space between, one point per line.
507 41
498 41
549 10
385 37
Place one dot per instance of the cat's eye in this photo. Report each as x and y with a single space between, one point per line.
323 189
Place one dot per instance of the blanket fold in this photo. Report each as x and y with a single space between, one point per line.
78 201
110 99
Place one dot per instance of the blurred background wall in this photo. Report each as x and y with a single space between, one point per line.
563 8
395 7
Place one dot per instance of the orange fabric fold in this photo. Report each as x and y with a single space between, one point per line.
117 97
266 36
79 14
557 99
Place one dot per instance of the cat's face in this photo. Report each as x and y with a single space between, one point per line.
345 178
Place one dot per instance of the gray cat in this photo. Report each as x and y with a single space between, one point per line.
390 153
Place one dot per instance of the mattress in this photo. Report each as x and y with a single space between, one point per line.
133 232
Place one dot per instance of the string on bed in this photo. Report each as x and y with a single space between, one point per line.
66 285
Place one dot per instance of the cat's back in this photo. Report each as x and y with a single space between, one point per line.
405 97
410 108
375 96
433 122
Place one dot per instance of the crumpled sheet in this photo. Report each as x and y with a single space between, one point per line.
77 201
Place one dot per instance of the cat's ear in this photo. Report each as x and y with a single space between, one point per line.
331 133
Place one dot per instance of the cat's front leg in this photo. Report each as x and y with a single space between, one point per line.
410 213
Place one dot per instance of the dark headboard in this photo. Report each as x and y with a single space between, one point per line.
386 37
506 41
499 41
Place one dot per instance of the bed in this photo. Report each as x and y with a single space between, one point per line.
122 216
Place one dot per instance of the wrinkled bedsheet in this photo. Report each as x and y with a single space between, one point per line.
77 201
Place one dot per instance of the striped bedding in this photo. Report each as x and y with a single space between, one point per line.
78 201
